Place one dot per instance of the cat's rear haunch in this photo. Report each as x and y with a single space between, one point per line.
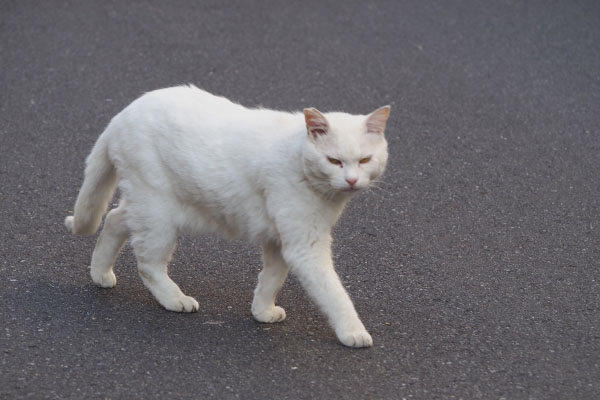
188 161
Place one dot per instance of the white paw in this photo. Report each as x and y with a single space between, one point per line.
104 279
181 303
359 338
270 315
70 223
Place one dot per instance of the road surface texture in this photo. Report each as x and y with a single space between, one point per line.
475 265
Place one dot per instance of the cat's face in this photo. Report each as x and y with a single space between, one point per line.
345 153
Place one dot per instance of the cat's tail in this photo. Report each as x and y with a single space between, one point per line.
95 193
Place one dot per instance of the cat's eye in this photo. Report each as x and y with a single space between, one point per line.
365 160
334 161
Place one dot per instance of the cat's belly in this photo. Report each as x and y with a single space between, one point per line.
238 213
246 221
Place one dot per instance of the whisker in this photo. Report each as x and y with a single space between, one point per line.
376 194
383 189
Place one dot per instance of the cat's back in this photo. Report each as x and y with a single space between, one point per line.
184 99
186 128
190 110
182 117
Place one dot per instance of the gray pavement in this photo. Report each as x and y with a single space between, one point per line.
474 266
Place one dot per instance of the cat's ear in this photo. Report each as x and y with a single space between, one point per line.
316 123
377 119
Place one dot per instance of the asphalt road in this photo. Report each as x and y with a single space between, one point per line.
475 266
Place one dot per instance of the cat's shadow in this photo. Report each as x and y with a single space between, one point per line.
129 308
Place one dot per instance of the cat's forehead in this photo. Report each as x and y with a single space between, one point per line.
348 134
343 122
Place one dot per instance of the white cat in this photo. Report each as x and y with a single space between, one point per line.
188 161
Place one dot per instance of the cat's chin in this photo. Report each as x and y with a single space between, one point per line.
340 194
350 191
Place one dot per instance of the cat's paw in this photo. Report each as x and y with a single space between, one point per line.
270 315
181 303
360 338
104 279
70 223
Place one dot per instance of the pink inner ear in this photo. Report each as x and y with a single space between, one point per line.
318 131
377 120
315 122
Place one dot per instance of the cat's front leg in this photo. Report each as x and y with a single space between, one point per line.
270 280
313 266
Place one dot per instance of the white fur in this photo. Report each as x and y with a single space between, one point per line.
188 161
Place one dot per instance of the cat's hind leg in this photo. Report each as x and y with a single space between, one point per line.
270 280
153 250
112 238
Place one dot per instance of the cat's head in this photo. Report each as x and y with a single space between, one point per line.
344 153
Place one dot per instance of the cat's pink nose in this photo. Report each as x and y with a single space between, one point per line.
351 181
